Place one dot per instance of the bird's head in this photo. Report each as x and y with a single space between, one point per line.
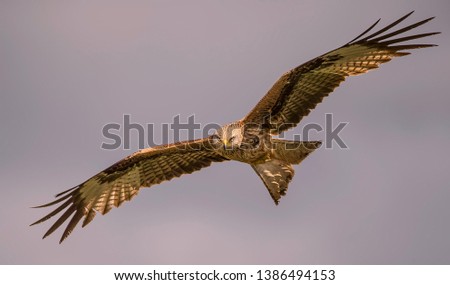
228 137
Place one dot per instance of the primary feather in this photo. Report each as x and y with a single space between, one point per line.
122 181
299 90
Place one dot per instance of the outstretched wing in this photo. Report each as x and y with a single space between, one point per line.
122 181
298 91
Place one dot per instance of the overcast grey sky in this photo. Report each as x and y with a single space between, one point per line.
67 68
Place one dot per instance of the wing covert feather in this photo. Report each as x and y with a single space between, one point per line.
122 181
298 91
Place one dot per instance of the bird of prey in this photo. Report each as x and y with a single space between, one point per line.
248 140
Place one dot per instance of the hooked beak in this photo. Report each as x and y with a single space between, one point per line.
226 144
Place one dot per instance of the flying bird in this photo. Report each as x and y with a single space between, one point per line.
249 140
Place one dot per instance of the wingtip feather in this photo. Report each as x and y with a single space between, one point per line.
365 32
397 32
388 27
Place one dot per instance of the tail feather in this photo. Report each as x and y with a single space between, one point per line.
277 172
276 175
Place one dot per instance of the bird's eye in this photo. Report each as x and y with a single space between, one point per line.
215 138
231 139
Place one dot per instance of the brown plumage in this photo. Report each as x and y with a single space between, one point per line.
249 140
299 90
121 181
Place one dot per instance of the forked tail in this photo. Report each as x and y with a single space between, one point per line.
277 172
